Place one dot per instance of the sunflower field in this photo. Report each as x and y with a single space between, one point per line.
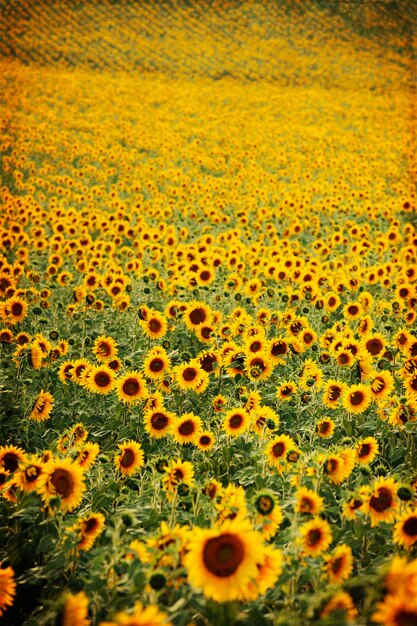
208 303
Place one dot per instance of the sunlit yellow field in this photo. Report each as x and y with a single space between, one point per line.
208 293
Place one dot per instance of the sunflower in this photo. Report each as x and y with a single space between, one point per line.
258 367
236 422
178 472
80 371
352 310
130 459
396 610
269 569
405 530
155 326
156 364
209 362
140 616
16 309
381 385
105 348
87 455
223 560
374 344
10 457
65 371
277 450
7 588
218 403
308 501
158 422
344 358
131 387
187 428
332 302
115 364
100 379
353 506
65 479
339 564
341 602
89 528
263 416
269 514
6 335
29 474
22 339
338 466
333 392
42 408
197 313
366 450
190 375
286 390
325 427
276 349
205 440
356 398
382 503
35 355
75 610
315 536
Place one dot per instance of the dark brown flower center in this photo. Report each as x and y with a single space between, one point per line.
334 393
236 421
189 374
16 309
336 565
364 450
382 501
186 428
131 387
104 349
278 449
223 555
31 473
10 462
374 346
207 362
159 421
156 365
154 325
410 526
198 316
279 347
90 525
205 440
313 537
102 379
128 458
356 398
63 482
405 618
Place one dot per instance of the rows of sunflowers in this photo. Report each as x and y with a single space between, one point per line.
208 302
